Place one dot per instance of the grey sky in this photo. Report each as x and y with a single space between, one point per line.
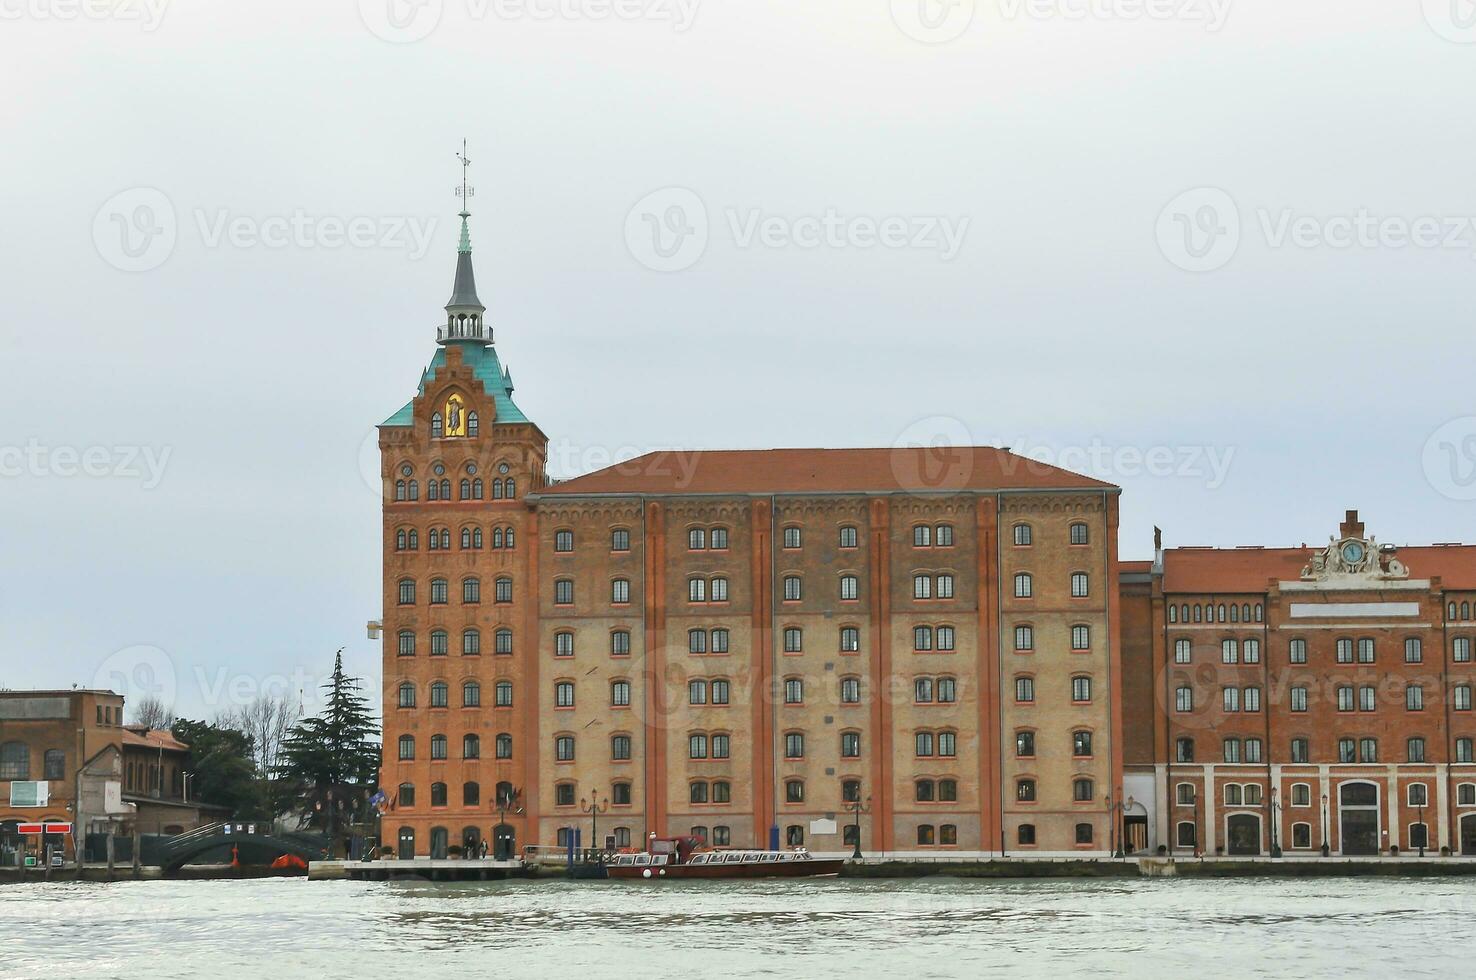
1317 358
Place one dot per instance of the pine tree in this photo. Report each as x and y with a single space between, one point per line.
333 759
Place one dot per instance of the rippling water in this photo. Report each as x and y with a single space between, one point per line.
912 929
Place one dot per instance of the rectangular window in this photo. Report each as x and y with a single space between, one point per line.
1463 697
620 540
794 640
1345 651
1251 649
1081 637
1299 699
696 539
1251 698
943 536
1081 689
1232 749
1366 698
697 590
848 537
1301 750
1252 751
1345 698
1024 689
1368 750
945 586
1182 651
850 587
922 587
1229 652
620 591
1416 749
620 644
850 639
1460 647
719 589
1184 699
1414 697
1463 750
1298 652
563 592
1024 638
563 541
1365 651
791 537
1079 587
1347 750
791 588
719 641
1230 697
1414 652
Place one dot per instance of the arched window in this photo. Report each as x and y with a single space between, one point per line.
439 694
504 641
437 427
471 794
439 747
507 538
406 795
497 537
407 695
438 797
504 693
407 747
471 747
471 642
504 746
471 695
472 423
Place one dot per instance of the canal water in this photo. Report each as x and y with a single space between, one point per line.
911 929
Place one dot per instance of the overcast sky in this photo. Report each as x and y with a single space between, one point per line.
1220 253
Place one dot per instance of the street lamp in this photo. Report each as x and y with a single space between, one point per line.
857 807
1324 825
594 806
1275 821
1117 814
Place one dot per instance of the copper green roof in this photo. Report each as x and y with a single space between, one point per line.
487 369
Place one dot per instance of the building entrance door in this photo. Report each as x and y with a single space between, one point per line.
1135 834
1244 831
1358 818
504 842
1468 834
407 843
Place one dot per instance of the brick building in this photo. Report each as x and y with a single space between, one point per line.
60 763
742 645
1298 699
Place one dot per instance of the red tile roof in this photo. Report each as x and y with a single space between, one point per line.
1226 570
154 738
762 471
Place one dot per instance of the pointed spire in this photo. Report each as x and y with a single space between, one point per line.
464 310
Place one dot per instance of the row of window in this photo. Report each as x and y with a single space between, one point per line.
439 538
1081 637
1025 834
1083 790
1081 689
471 747
1250 794
1023 535
1081 744
471 642
471 795
1349 750
1348 698
15 762
1025 585
471 591
1211 613
470 489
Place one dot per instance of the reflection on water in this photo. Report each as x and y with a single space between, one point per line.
936 927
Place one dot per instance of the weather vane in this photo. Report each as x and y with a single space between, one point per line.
465 191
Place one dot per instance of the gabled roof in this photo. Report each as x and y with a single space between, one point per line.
1248 570
153 738
486 367
799 471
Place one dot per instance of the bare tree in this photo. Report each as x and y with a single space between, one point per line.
151 713
266 721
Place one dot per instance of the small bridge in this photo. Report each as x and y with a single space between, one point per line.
176 852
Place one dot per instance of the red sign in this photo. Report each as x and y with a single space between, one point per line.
43 828
58 828
28 828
